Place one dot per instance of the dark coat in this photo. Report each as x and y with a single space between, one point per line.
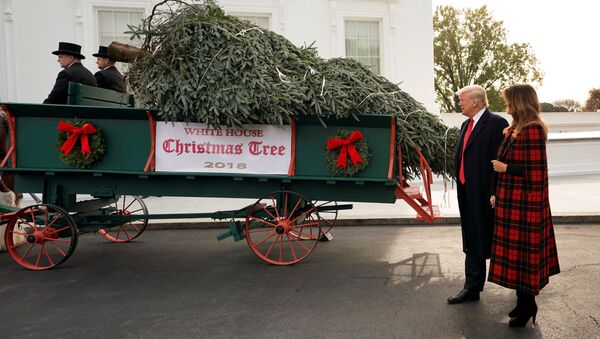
524 251
74 73
110 78
476 214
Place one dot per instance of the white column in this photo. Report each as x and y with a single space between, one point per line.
8 74
78 16
333 21
281 17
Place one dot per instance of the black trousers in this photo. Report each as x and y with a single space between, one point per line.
474 272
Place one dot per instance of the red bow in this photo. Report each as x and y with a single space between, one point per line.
83 132
348 149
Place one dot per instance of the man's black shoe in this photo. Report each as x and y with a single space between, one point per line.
464 296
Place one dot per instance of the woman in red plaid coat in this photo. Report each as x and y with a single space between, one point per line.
524 252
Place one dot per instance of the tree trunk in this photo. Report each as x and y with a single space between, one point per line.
118 51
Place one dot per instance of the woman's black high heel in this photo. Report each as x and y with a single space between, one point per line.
528 310
515 311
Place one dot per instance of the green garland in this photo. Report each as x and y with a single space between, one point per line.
331 157
75 158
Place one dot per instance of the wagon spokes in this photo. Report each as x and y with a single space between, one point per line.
323 212
281 228
127 231
41 237
327 212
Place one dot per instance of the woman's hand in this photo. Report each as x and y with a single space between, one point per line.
499 166
493 201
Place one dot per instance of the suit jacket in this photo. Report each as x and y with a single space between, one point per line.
110 78
74 73
524 251
476 214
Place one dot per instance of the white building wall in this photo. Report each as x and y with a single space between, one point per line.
413 51
304 22
31 29
37 30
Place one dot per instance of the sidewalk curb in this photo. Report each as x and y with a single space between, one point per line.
447 221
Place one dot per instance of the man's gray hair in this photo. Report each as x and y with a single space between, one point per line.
475 92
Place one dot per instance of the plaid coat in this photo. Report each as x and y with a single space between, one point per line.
524 252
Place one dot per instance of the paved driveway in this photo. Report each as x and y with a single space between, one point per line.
369 282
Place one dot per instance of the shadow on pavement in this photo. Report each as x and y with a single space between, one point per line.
186 284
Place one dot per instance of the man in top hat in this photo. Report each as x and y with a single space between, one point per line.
69 58
108 76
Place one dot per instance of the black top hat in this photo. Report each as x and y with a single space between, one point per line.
102 52
70 49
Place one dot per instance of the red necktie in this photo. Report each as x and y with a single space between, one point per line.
461 174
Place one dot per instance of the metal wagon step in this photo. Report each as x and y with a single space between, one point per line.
416 193
414 197
437 213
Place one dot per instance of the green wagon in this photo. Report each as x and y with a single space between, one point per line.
293 211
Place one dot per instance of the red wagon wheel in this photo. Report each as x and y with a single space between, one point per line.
127 205
326 213
280 231
41 237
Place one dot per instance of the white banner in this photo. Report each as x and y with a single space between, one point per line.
193 147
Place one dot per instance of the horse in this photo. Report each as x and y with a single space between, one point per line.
7 183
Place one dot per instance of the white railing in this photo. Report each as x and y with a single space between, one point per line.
573 141
574 153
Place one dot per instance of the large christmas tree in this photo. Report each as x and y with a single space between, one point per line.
198 64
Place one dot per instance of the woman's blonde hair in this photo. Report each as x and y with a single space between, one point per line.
523 105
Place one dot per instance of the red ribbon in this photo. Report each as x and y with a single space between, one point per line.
86 129
348 149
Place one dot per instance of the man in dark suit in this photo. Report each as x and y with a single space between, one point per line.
480 138
109 76
69 58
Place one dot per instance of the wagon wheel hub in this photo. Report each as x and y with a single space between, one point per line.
37 237
283 226
40 237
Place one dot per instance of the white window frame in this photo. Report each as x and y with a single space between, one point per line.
97 11
89 27
255 14
91 36
379 22
343 12
260 8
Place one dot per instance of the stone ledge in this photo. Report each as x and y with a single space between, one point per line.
447 221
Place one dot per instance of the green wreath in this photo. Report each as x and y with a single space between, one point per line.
75 158
332 156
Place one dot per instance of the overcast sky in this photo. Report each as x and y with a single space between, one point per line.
563 35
